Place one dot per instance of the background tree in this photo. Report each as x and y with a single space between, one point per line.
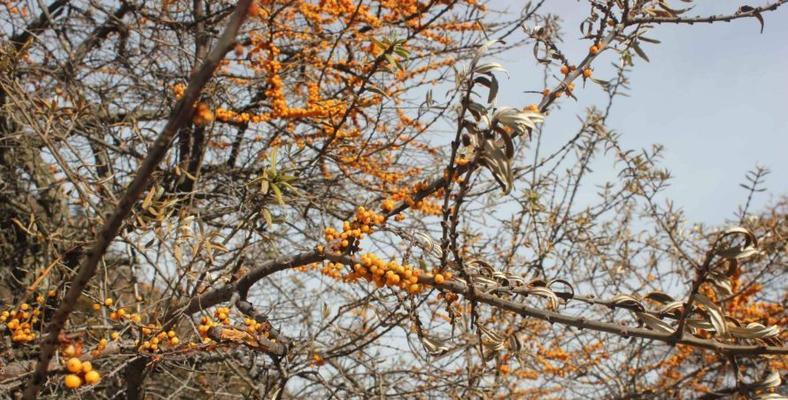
293 199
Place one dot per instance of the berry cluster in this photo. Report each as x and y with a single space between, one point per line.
19 321
363 223
81 372
372 268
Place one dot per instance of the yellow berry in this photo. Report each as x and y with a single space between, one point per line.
92 377
74 365
108 302
439 279
587 73
72 381
87 367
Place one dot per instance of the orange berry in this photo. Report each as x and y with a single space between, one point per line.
587 73
565 69
74 365
594 49
108 302
72 381
92 377
439 279
86 367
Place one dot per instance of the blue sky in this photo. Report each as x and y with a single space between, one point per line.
713 94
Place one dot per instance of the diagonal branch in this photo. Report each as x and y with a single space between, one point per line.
744 12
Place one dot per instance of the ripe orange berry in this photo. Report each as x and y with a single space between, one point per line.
108 301
439 279
72 381
96 307
74 365
594 49
565 69
587 73
92 377
504 369
87 367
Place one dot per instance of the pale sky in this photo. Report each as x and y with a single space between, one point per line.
713 94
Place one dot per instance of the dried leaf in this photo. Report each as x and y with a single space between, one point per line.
716 316
494 158
660 297
655 323
627 301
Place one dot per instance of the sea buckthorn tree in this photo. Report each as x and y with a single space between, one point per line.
289 199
